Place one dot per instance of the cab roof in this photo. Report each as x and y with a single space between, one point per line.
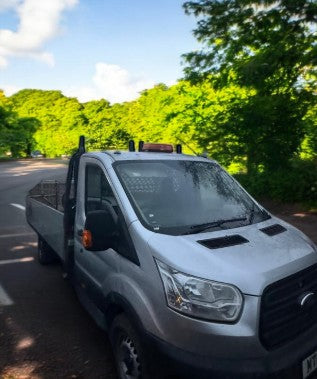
121 155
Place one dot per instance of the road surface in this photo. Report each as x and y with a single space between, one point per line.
44 331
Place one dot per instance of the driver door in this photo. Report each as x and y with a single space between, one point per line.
93 268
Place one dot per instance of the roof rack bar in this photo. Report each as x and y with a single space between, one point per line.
141 143
179 148
81 146
131 145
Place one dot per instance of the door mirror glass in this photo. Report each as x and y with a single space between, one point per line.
100 231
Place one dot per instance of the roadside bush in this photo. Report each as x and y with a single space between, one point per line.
298 183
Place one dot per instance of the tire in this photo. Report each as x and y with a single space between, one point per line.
45 254
128 352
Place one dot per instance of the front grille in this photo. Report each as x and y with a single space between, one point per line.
282 317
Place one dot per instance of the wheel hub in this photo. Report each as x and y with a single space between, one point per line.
129 363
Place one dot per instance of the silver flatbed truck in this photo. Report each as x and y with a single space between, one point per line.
180 265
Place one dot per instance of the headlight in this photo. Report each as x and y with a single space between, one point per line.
200 298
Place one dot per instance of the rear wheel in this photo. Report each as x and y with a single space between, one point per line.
128 353
45 254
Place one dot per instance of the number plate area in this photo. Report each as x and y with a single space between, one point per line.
309 365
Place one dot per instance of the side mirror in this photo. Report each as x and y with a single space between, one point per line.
100 230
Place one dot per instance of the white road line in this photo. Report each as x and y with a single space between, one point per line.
18 206
19 260
16 235
21 174
4 297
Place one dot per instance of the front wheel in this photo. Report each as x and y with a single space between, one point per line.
128 353
45 254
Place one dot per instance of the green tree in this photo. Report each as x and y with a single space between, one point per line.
271 47
6 121
309 146
106 128
16 134
148 114
20 137
61 119
200 117
269 44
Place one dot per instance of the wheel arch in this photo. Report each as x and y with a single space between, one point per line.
117 304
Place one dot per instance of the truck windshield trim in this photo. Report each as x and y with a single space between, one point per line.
174 196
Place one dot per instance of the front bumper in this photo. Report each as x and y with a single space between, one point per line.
283 363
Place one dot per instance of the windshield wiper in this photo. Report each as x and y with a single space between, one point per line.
201 227
252 214
259 210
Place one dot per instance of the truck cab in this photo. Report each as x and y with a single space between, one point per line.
178 262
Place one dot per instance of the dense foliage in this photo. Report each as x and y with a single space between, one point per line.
269 44
248 100
199 116
297 184
271 47
16 132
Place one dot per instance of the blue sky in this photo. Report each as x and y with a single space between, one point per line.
92 48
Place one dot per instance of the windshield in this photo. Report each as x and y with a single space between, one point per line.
184 197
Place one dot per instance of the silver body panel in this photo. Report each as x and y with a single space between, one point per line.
251 267
48 223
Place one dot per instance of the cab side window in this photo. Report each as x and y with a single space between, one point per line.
99 196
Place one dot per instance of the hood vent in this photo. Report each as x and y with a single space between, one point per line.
217 243
272 230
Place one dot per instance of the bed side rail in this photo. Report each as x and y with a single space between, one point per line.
50 193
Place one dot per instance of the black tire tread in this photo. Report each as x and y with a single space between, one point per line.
45 254
122 324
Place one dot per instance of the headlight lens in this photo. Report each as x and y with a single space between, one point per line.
200 298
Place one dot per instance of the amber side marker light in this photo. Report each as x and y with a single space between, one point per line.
86 239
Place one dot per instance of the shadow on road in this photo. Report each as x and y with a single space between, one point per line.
46 333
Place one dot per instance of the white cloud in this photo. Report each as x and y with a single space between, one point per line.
3 62
112 83
8 4
9 89
38 23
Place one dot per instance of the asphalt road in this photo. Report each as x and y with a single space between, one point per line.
44 331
